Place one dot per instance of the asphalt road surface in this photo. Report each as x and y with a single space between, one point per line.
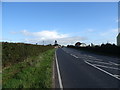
80 69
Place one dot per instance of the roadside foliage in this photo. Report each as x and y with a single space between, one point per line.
27 65
18 52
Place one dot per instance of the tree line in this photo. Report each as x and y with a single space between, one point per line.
108 49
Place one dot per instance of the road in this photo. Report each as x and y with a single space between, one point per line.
80 69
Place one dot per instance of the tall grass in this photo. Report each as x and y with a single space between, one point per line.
33 72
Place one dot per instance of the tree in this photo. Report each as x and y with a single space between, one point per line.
77 44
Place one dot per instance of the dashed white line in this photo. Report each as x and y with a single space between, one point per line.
102 70
74 55
58 70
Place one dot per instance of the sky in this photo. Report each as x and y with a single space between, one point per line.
66 22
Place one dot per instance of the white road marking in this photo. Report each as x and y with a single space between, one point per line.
114 63
101 62
117 76
71 54
59 76
74 55
53 74
106 66
98 59
102 70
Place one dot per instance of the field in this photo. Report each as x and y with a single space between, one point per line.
27 65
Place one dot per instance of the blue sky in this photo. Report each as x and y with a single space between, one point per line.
67 22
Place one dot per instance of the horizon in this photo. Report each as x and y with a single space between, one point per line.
66 22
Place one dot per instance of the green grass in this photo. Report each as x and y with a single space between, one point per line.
34 72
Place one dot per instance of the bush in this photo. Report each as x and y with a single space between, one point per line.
18 52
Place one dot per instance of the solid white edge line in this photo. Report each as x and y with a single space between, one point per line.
58 70
102 70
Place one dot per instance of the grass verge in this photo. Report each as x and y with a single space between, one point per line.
34 72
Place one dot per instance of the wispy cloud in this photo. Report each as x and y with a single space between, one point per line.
62 41
109 32
45 34
49 37
109 35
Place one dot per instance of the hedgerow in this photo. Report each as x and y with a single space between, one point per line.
17 52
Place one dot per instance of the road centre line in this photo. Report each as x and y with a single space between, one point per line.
101 70
74 55
58 70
